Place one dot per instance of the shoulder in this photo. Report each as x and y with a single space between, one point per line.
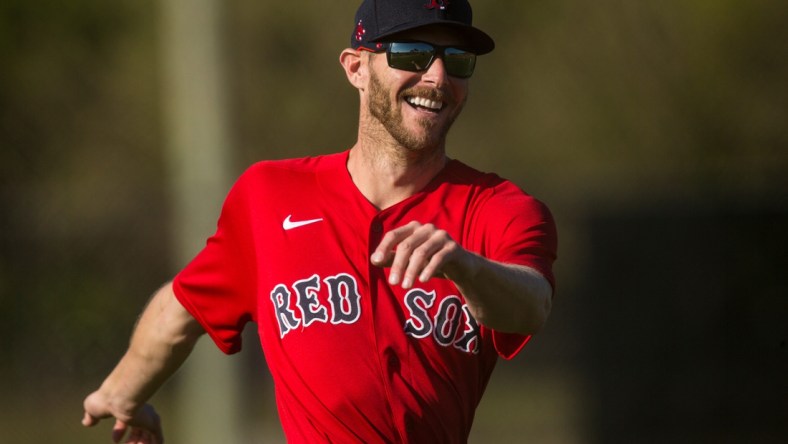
278 180
492 189
506 224
497 210
277 173
296 166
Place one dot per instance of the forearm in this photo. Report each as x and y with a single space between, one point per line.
161 342
505 297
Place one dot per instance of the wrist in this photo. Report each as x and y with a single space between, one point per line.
117 402
465 270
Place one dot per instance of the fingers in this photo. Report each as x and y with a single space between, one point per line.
423 261
384 254
409 254
141 436
414 251
146 427
136 435
118 430
438 262
143 428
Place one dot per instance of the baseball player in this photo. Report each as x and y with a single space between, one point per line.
385 280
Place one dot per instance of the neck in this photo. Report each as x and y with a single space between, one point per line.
387 174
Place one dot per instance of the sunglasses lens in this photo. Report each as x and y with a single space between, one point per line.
418 56
410 56
459 63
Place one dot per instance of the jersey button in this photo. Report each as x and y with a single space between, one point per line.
377 227
393 362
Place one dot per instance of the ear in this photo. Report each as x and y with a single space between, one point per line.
355 67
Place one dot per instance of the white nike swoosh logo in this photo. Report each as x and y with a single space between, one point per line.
289 224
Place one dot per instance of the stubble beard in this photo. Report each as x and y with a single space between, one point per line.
390 116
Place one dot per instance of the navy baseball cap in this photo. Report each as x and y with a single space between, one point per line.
381 20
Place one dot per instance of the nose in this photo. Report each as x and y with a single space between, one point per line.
436 73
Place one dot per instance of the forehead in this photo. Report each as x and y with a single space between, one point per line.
435 34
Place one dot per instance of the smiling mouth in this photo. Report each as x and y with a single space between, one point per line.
424 103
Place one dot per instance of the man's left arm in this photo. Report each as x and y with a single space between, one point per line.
504 297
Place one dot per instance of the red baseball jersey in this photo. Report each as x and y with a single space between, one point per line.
354 359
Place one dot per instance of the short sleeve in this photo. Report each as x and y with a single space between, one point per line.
525 234
519 230
218 286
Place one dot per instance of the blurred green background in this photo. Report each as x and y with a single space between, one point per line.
657 132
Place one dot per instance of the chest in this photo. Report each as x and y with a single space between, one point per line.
320 288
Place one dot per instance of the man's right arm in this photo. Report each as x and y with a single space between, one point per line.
162 340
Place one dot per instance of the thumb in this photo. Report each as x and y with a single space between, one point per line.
88 420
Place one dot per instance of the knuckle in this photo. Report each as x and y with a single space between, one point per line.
439 256
388 237
419 254
404 246
411 226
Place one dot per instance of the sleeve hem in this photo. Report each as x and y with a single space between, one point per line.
508 345
224 346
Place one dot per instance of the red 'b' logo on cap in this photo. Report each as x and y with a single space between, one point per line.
360 31
440 4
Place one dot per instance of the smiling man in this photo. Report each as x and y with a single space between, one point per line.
385 280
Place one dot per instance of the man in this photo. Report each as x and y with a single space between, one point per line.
384 280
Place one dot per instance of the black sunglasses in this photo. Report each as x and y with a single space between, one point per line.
418 56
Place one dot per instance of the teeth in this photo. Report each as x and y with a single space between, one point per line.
426 103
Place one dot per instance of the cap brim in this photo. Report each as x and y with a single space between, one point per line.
474 39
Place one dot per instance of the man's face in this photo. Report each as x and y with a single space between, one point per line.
416 108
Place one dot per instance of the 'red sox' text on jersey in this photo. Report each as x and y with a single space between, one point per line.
354 359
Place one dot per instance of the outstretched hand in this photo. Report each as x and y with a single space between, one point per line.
419 252
506 297
144 427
